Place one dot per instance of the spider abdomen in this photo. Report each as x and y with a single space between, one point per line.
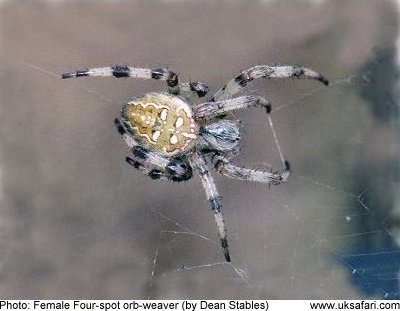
161 122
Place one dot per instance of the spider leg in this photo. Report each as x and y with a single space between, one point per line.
210 110
188 89
199 164
175 170
129 140
240 81
151 164
225 168
123 71
147 169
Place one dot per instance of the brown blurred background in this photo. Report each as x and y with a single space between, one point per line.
77 222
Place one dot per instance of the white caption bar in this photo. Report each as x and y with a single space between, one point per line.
198 305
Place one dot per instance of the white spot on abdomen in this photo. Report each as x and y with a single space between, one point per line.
155 136
179 122
192 136
163 114
173 139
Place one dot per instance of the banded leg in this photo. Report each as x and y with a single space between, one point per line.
129 140
199 164
147 170
151 164
240 81
225 168
123 71
192 88
210 110
175 170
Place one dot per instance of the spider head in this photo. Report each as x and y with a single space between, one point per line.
222 135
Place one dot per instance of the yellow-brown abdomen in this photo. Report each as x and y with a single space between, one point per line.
161 122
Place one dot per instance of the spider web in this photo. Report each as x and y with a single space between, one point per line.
364 240
82 223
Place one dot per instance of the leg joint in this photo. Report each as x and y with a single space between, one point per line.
121 71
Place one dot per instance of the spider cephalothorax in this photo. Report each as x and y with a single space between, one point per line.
170 137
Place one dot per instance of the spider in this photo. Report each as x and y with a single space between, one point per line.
170 137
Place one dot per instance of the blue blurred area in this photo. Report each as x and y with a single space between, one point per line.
374 260
375 269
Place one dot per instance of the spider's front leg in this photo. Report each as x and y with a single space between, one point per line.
123 71
188 89
209 110
199 164
151 164
240 81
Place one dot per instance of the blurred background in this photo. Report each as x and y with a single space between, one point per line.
76 221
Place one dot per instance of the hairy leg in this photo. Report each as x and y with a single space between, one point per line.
226 168
123 71
240 81
209 110
151 164
199 164
187 90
